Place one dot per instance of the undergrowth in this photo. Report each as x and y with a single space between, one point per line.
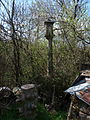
42 114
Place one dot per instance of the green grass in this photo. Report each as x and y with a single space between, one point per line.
42 114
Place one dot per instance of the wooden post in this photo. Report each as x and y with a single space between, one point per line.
70 108
49 36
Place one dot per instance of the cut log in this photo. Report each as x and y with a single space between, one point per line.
28 101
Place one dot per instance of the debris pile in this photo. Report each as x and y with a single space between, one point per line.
80 91
25 99
7 97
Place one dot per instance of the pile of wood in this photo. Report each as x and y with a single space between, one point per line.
25 99
7 97
78 110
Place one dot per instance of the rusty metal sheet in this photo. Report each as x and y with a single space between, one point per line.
82 91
